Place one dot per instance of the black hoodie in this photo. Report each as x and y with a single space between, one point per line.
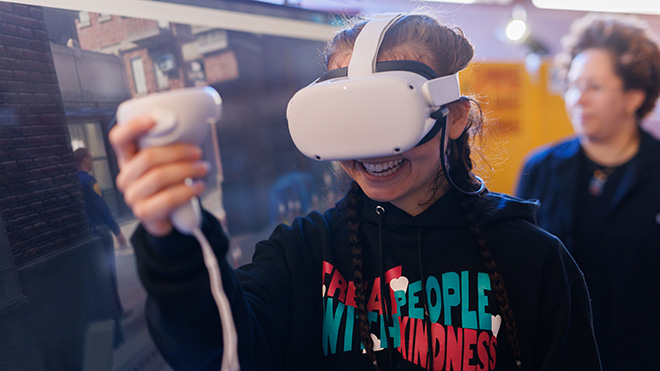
294 305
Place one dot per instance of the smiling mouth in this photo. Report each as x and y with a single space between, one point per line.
382 168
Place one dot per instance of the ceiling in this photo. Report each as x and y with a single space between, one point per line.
483 20
373 6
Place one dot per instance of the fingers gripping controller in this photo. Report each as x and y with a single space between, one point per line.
181 116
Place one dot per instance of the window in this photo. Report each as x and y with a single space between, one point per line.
139 78
83 19
162 82
90 135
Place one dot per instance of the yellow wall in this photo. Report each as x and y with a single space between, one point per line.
521 114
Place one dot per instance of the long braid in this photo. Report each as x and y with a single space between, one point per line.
472 205
469 204
353 206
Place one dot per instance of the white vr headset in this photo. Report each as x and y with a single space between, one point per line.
370 109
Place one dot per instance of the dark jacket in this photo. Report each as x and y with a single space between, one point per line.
626 305
97 210
294 304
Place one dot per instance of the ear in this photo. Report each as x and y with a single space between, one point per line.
634 99
458 117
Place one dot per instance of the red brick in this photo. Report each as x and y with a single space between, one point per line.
9 98
40 45
9 201
8 63
19 210
17 86
22 21
26 97
25 163
26 231
22 10
40 35
7 168
36 55
9 29
33 66
19 142
6 75
9 40
14 52
25 32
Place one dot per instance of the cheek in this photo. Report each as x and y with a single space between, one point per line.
348 166
570 98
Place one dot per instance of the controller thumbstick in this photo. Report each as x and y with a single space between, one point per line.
165 121
181 116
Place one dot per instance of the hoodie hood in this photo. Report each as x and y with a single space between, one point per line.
447 212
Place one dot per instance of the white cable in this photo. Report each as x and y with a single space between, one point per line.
229 337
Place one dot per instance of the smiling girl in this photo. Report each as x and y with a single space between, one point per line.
417 267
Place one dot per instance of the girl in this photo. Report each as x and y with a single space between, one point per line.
415 268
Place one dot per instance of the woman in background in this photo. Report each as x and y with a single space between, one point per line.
600 190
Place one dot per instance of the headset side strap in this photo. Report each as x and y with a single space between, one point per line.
367 44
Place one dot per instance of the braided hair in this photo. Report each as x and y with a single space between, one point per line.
447 51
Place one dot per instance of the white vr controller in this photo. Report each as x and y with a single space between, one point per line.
181 116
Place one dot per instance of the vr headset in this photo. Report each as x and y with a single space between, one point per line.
370 109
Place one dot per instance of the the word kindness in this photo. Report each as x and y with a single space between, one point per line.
463 331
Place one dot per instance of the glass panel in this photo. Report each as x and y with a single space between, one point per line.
95 142
77 136
102 174
72 298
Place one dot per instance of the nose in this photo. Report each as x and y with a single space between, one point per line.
575 96
582 96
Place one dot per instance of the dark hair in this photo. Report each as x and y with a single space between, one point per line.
447 51
634 50
80 155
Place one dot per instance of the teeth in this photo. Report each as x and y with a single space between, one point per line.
382 168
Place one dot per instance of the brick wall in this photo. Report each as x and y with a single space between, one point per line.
112 31
41 202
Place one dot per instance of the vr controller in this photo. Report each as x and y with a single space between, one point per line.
181 116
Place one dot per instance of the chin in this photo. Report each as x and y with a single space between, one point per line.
379 195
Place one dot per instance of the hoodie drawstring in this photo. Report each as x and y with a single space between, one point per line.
387 318
427 317
386 304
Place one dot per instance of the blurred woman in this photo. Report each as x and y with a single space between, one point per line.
600 190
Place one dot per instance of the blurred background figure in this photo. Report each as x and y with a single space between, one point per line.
97 210
292 195
101 222
600 190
